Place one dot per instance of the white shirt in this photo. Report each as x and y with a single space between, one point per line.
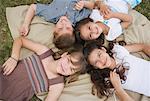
138 75
115 28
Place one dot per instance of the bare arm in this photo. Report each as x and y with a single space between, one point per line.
83 3
26 43
115 80
125 18
54 92
11 63
24 29
104 9
139 47
123 96
89 4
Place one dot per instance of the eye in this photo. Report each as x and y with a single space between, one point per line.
99 54
90 36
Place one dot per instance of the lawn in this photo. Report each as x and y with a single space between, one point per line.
5 37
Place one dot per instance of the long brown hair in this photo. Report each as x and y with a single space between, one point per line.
100 77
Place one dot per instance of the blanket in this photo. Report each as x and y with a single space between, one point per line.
42 32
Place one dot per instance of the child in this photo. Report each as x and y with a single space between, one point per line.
63 13
133 71
20 80
111 21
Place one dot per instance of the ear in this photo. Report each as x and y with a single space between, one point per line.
64 54
103 49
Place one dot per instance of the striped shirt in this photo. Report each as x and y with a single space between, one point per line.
37 74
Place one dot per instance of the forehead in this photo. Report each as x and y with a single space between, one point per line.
85 31
86 25
92 56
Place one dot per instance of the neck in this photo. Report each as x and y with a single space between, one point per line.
113 64
53 66
104 27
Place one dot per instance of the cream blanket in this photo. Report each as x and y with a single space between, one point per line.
41 32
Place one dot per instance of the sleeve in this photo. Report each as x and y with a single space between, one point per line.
50 12
120 51
115 30
96 16
133 3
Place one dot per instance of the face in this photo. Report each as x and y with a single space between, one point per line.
100 59
63 26
90 31
68 64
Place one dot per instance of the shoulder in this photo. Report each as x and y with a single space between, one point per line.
120 51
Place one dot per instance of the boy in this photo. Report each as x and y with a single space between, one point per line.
63 13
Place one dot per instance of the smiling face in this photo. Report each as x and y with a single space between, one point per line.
99 58
90 31
63 26
69 64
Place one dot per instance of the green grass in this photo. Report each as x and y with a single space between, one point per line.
5 36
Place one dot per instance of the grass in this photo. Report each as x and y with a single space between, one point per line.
5 35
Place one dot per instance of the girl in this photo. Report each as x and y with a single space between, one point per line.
20 80
133 71
112 18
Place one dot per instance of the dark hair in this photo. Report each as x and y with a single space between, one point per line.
82 23
100 76
64 41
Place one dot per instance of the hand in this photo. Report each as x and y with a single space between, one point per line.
115 80
24 30
104 9
146 49
109 15
9 66
79 5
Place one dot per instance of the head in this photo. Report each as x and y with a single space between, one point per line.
88 29
99 59
71 62
63 33
64 41
97 55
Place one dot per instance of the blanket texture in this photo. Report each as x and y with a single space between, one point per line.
42 32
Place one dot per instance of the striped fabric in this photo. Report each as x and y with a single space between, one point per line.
36 73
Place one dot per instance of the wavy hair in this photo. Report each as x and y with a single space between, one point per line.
100 77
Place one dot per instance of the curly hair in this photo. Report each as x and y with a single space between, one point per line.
100 77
